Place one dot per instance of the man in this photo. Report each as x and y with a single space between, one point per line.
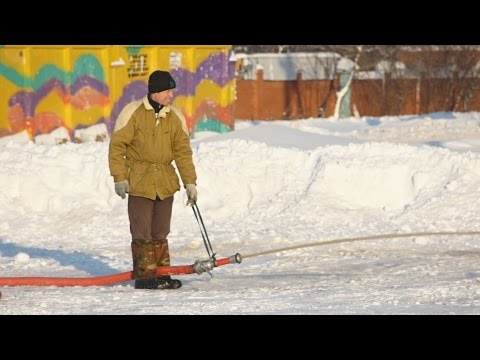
149 134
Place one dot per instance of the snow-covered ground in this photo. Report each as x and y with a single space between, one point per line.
265 186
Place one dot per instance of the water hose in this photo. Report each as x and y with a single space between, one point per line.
363 238
199 267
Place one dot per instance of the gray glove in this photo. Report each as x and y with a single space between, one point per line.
121 188
191 193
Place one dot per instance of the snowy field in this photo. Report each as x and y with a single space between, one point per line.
265 186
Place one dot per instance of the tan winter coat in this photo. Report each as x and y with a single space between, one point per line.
142 150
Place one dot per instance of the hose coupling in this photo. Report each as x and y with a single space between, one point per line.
201 266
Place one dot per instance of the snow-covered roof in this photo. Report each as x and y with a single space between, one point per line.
286 66
291 55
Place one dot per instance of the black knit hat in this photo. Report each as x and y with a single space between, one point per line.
160 81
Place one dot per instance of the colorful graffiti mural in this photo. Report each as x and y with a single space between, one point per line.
46 87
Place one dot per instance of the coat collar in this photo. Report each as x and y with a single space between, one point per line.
165 110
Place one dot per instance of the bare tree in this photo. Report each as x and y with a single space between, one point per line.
371 55
341 94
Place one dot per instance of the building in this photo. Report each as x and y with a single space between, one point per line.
74 87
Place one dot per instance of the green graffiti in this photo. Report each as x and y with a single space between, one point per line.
211 125
134 49
46 73
14 77
85 65
88 65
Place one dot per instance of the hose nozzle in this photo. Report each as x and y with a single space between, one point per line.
237 258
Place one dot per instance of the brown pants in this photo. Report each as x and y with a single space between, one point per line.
149 226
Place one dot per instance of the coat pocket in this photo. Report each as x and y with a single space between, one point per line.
173 178
138 177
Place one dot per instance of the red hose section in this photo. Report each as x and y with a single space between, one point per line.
97 280
224 261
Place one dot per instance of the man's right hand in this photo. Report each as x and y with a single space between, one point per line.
121 188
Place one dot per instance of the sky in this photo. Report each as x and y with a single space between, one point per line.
263 187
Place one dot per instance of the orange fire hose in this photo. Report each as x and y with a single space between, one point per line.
198 267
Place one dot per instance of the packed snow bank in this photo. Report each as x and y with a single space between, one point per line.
260 177
238 176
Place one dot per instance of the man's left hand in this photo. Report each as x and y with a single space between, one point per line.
191 193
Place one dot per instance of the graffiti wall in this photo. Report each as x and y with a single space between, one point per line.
47 87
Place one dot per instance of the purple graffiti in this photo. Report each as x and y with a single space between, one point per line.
83 81
28 100
133 91
216 68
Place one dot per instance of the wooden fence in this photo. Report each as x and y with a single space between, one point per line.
276 100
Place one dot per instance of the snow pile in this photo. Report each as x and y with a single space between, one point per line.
54 178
